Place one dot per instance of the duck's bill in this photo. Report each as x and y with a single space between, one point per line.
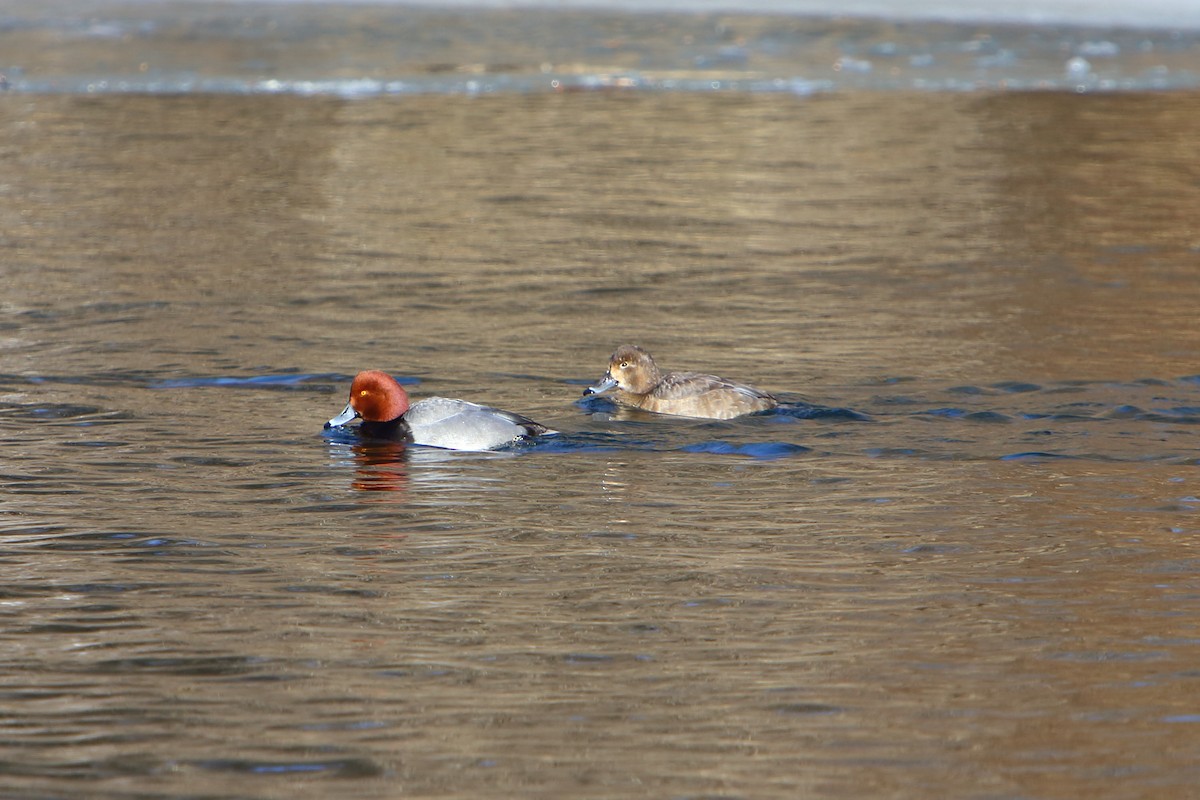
603 386
348 414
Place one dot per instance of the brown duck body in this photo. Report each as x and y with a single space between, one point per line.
640 384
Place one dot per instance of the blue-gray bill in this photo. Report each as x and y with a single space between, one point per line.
348 414
606 383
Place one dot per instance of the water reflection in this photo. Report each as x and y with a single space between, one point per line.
411 474
379 465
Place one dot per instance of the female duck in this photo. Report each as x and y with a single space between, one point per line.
382 404
640 384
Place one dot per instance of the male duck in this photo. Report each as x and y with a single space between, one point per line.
382 404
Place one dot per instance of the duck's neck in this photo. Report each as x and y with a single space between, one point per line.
396 430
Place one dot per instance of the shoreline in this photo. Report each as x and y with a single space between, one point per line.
1149 15
1162 15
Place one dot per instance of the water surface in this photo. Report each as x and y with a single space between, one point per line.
961 566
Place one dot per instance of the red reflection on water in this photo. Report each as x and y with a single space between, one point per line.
381 467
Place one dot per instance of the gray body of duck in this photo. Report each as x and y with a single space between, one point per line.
381 402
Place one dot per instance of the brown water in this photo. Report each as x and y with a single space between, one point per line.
967 569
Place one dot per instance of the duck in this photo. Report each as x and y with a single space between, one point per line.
382 404
640 384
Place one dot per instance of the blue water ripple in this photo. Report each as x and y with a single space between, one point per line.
261 381
1034 455
810 411
986 416
765 451
950 412
1017 387
946 413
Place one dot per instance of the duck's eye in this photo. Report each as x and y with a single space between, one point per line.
363 393
624 365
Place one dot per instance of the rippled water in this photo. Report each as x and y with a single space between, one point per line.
960 564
